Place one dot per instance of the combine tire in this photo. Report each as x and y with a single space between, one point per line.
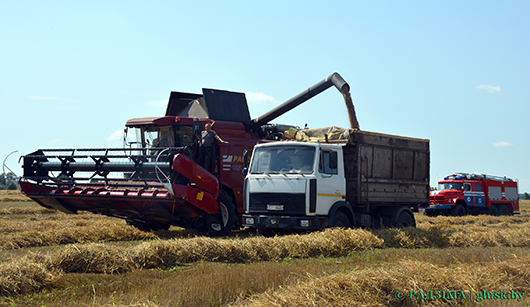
221 223
340 220
458 210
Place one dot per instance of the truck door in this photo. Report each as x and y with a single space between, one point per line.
480 200
469 197
330 182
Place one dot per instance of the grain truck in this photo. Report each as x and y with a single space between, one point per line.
362 179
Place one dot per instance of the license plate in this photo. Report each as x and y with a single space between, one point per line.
275 207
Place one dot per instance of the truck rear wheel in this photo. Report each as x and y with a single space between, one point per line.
404 218
493 210
340 220
458 210
503 210
221 223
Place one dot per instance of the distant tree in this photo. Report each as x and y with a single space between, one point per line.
5 183
526 196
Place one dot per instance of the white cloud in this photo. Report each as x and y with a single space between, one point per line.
489 88
260 98
116 136
502 144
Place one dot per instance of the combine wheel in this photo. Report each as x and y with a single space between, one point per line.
221 223
340 220
493 210
458 210
503 210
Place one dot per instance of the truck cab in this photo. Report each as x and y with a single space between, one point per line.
293 185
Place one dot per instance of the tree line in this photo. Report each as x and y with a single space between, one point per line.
5 181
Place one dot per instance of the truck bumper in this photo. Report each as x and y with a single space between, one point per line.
436 207
281 222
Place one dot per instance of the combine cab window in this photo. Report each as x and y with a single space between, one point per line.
158 136
163 136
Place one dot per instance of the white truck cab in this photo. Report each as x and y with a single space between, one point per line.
294 185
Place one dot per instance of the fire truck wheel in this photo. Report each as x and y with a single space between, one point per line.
340 220
221 223
458 210
503 210
493 210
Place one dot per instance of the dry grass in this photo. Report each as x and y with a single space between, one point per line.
378 287
29 274
99 231
82 247
12 195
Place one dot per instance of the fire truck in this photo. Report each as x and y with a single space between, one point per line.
468 193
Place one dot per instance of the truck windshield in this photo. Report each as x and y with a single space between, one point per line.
283 159
450 186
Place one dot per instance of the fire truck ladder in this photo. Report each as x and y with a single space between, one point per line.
483 177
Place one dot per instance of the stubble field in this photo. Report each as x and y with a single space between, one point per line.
48 258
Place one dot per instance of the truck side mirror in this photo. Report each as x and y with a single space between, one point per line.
333 160
245 163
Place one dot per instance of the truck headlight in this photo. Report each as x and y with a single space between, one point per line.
249 221
304 223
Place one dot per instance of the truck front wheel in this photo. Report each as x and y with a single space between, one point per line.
458 210
340 220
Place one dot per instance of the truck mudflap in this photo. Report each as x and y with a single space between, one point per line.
282 222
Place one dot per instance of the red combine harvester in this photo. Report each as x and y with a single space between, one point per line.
464 193
155 181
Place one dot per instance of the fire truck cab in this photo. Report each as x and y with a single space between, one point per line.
466 193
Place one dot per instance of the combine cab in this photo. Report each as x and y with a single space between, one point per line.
156 181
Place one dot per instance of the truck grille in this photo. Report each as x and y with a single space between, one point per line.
293 204
437 199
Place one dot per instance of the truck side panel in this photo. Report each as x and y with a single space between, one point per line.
386 170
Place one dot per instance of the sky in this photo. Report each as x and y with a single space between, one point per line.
454 72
